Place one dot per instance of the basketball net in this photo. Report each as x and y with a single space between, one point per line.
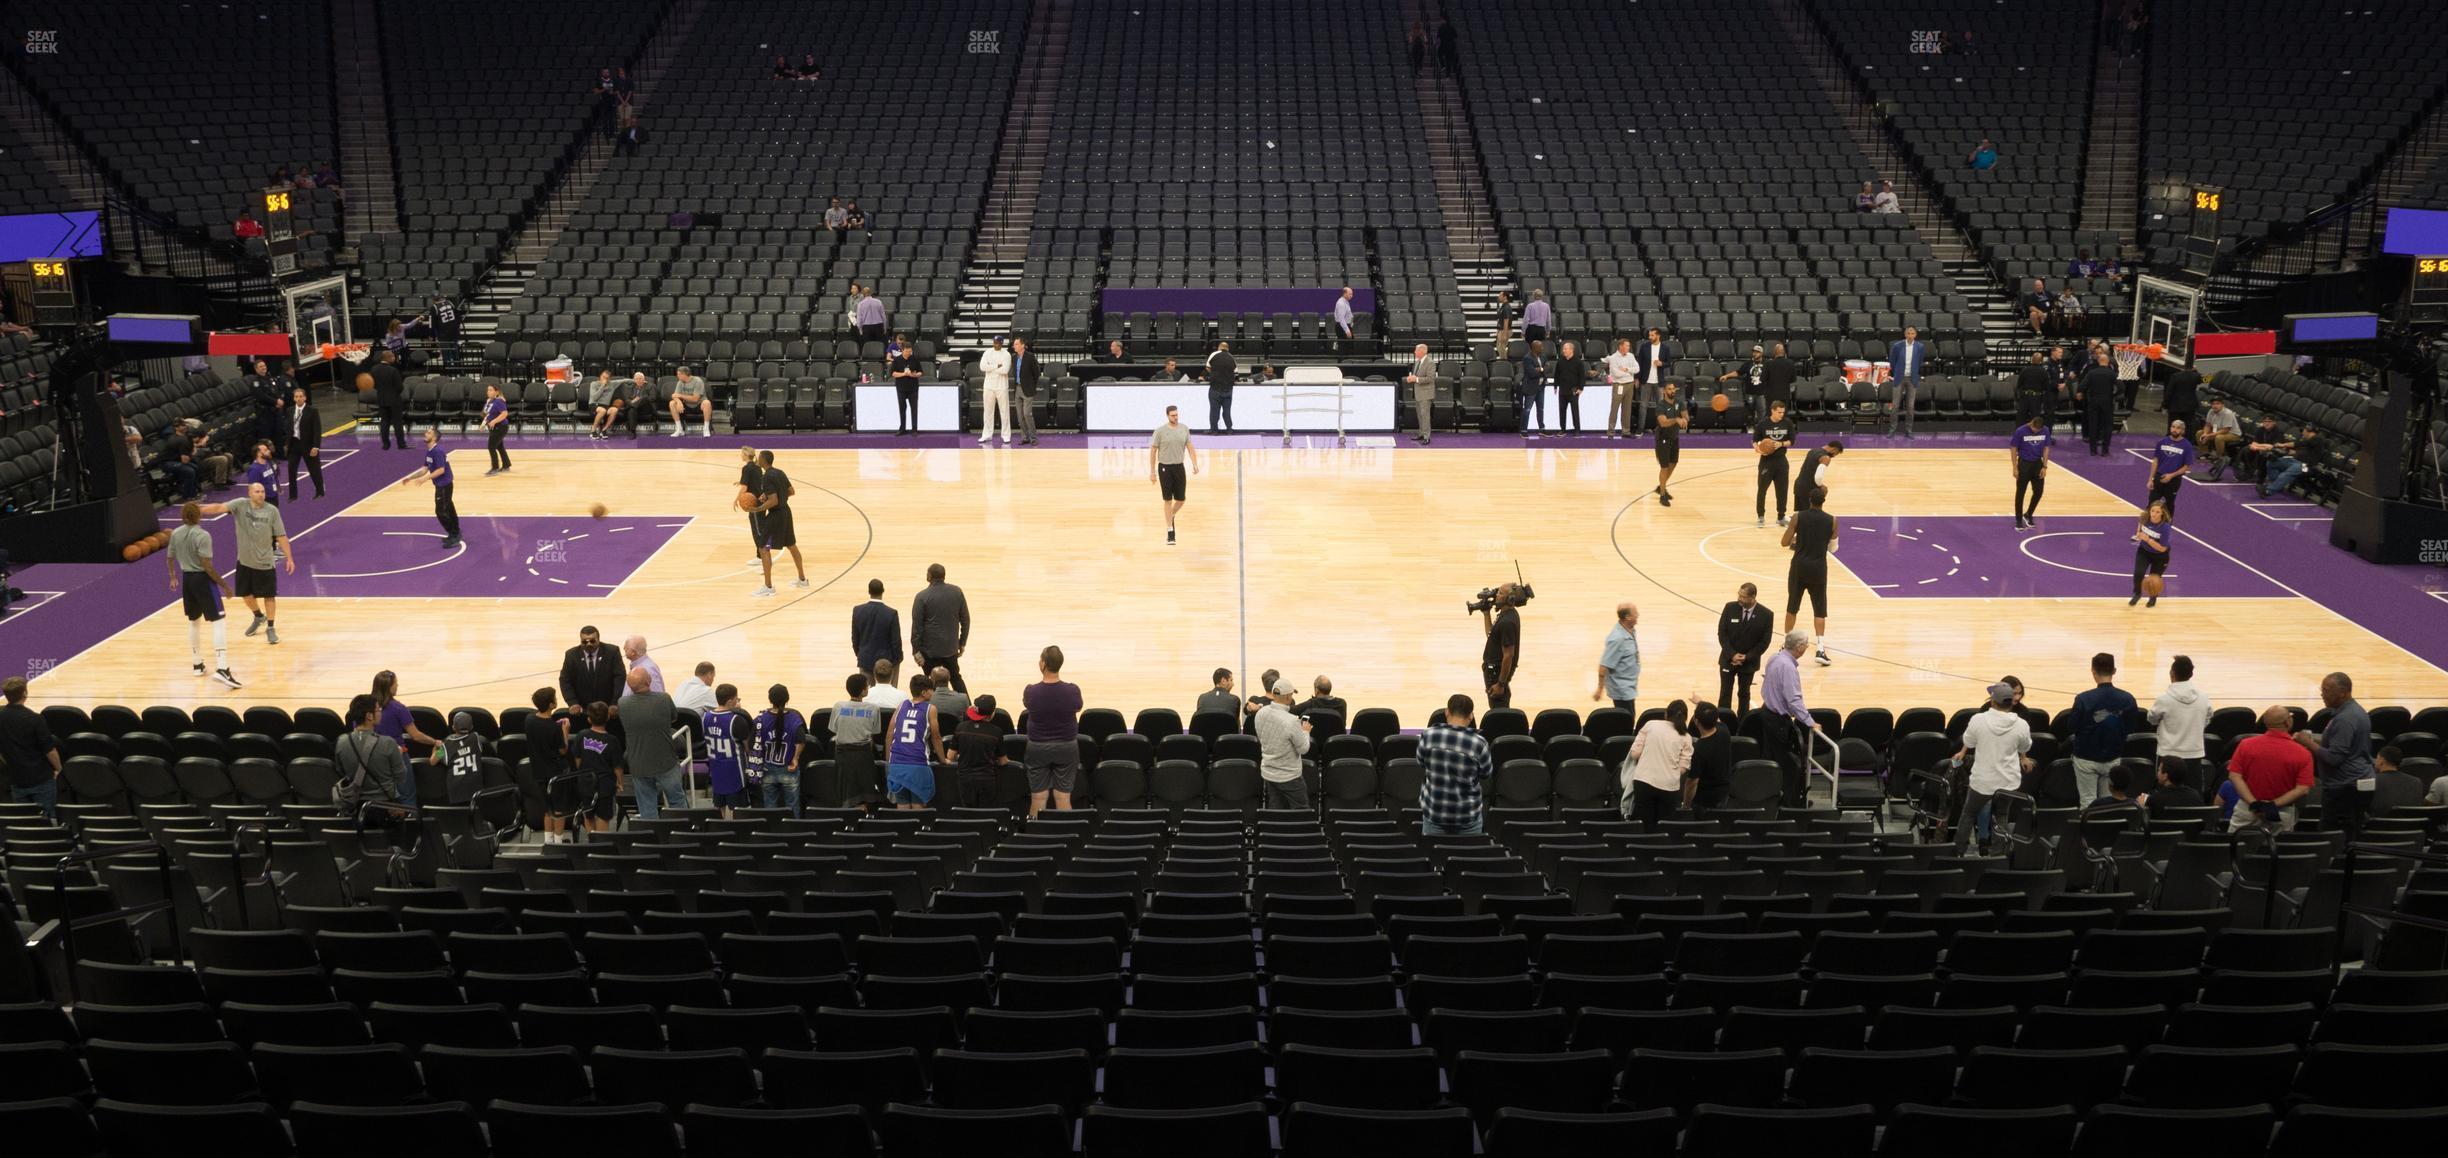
2130 357
353 352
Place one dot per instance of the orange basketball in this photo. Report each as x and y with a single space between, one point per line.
598 510
365 383
132 551
2153 585
1766 446
1719 404
746 501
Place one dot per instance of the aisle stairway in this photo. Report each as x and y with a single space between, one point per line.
358 94
990 286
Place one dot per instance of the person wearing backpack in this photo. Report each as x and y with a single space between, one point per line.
369 763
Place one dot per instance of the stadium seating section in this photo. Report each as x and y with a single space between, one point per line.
488 102
1176 970
26 185
192 107
2285 107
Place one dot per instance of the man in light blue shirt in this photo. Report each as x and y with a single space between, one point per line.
1619 661
1343 315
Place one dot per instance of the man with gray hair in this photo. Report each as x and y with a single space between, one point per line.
1789 724
1423 388
633 649
1283 739
1537 317
1619 661
263 543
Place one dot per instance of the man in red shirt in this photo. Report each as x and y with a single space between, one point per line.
246 228
2270 773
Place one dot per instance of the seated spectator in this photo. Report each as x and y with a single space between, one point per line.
689 390
282 175
246 228
369 763
2070 315
2219 433
782 69
836 217
616 403
1219 698
1113 352
2082 265
326 177
2394 788
1984 156
2171 788
1322 700
1886 201
808 69
2438 793
2287 463
2037 304
856 218
1170 373
1864 199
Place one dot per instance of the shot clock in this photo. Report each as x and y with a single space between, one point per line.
54 292
280 230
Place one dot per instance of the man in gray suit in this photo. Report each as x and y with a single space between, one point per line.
1423 388
939 626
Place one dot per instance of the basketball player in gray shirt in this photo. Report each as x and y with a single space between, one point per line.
1170 455
263 543
201 591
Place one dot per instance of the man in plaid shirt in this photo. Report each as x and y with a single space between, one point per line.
1455 767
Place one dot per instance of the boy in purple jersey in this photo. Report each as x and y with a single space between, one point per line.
728 732
916 747
781 736
496 426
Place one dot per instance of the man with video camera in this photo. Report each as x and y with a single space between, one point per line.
1500 618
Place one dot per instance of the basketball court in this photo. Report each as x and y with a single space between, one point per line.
1352 561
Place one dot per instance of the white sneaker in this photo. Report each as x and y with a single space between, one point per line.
680 431
762 592
705 430
799 583
982 440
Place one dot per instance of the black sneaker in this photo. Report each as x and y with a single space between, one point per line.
2154 602
199 669
2132 601
1169 536
223 675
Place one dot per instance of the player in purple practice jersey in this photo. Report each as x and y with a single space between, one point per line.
781 734
728 732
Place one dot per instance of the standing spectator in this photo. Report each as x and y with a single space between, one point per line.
870 315
32 755
913 746
1530 388
1788 724
1995 754
596 757
624 89
689 390
1343 316
590 672
1905 361
1283 739
883 685
781 739
2097 391
875 628
696 693
2034 391
1712 761
1416 42
1422 380
1653 361
1571 374
1742 645
1619 661
977 749
1027 371
1537 317
1652 775
2099 729
1220 369
2342 753
855 725
1218 698
2182 715
1449 47
1623 386
633 650
397 724
647 718
1455 765
906 374
996 365
2270 773
1053 708
1504 323
390 398
729 735
939 625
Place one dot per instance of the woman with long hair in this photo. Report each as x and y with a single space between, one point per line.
2152 537
1652 775
399 725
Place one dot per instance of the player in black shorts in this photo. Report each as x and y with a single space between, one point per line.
773 520
1772 437
1811 535
1812 479
746 500
2152 537
1673 418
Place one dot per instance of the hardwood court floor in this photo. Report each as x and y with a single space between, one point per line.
1349 562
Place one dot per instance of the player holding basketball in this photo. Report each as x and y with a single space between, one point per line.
1673 418
201 590
773 520
2152 537
1171 461
746 499
438 472
1772 438
1810 537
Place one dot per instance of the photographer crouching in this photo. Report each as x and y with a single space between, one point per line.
1500 618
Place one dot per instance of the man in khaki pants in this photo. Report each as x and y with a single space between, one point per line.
1423 388
1623 374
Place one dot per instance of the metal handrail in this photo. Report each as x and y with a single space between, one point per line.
68 924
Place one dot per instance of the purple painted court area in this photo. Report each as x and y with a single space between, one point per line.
1979 557
502 556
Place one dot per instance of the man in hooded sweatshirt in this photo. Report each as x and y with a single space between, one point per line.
1996 743
2099 730
2181 713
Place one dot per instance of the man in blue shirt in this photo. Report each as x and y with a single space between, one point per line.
1619 661
2099 729
2170 462
1454 768
438 472
2029 449
2342 754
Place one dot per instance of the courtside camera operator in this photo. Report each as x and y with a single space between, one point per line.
1500 617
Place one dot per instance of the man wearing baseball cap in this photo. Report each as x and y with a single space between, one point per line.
1996 743
1283 739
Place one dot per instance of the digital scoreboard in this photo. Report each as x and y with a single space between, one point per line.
280 230
54 292
2209 205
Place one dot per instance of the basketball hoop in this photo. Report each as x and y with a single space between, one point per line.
354 352
2131 355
